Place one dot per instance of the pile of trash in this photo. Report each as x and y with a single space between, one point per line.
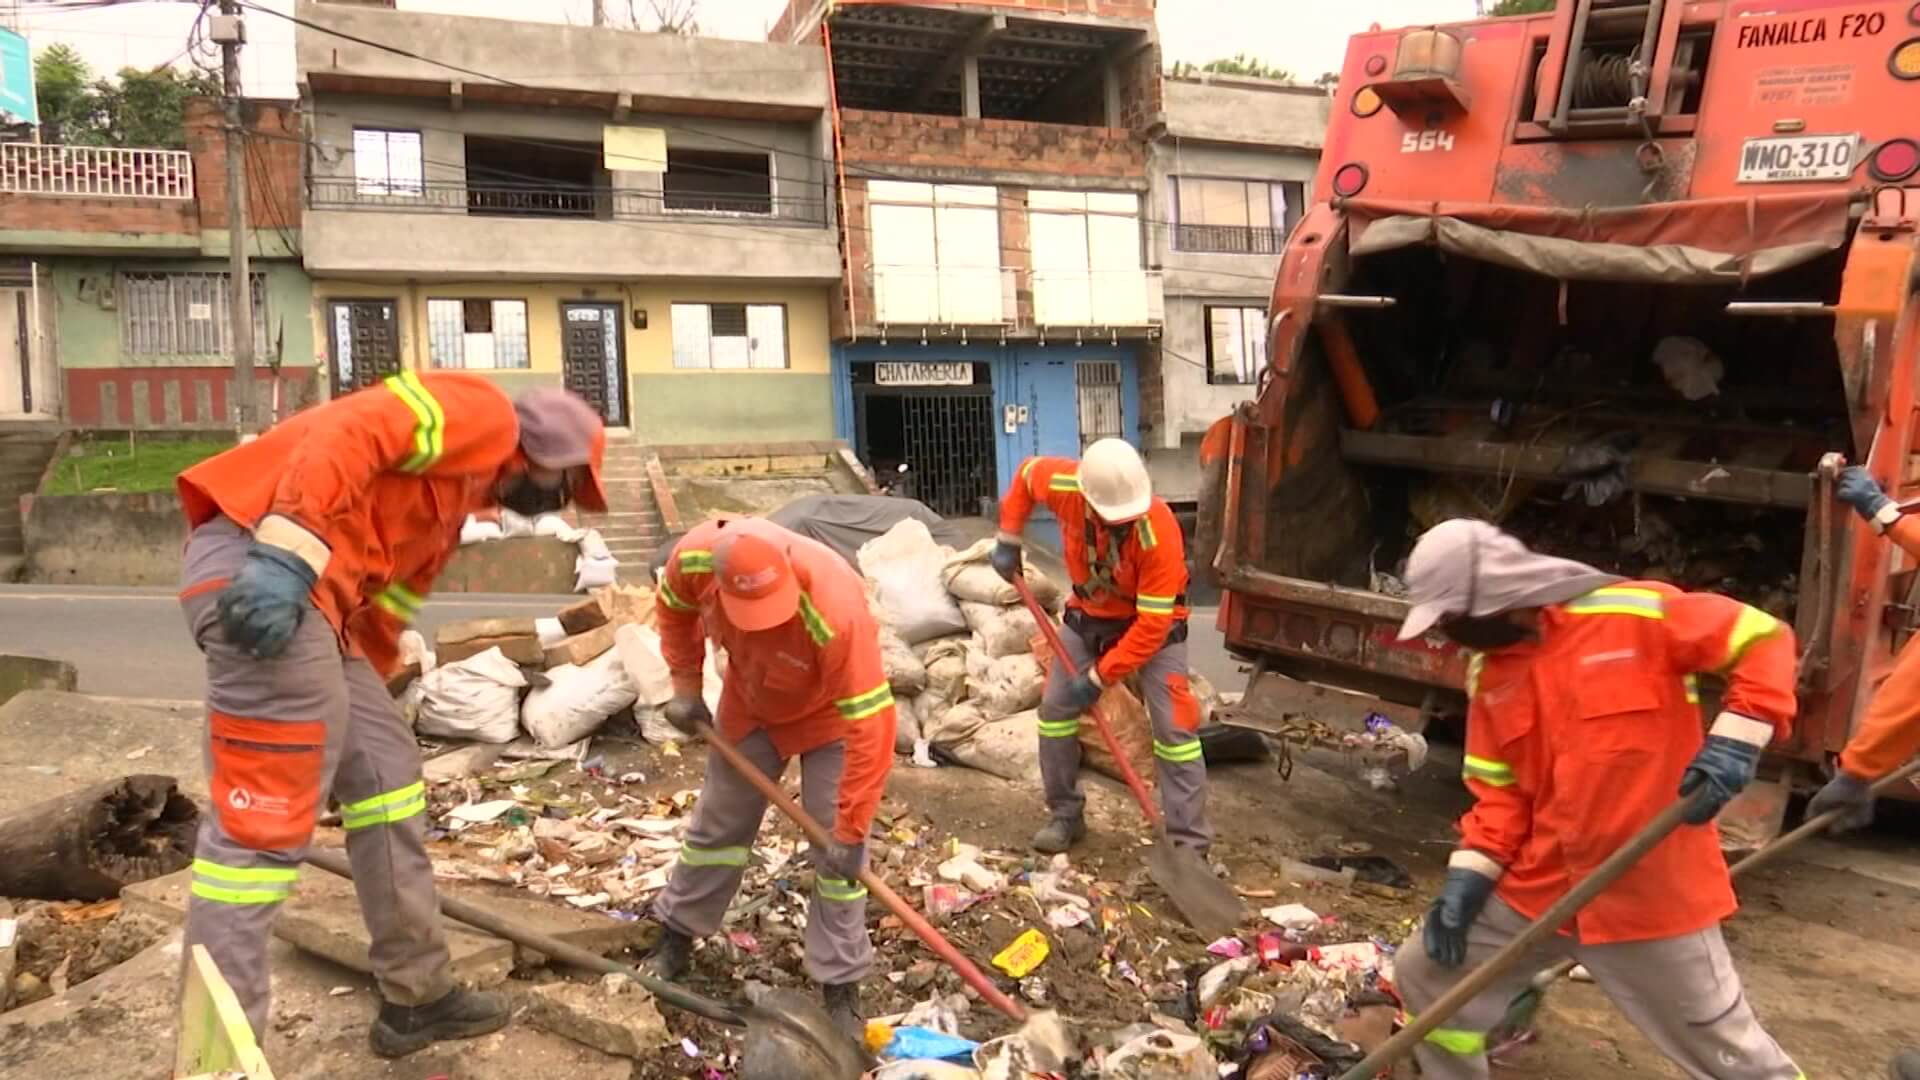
595 568
967 661
542 687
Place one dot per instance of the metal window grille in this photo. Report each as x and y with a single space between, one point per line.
164 314
949 445
477 334
1097 386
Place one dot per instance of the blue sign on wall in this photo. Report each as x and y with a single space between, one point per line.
16 78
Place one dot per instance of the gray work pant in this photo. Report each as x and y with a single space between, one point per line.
719 842
1176 751
1681 992
282 733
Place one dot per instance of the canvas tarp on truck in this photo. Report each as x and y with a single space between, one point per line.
1702 242
844 522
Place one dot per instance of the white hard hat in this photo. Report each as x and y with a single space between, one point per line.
1114 480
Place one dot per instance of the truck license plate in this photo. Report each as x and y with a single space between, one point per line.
1796 158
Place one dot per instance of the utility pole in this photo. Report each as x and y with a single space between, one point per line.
230 33
599 12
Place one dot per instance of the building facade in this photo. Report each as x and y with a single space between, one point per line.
997 293
1232 163
114 291
646 219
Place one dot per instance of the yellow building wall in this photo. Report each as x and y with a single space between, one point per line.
667 405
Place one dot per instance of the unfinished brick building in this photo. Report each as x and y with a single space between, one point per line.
997 292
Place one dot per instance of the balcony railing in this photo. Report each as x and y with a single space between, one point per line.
110 172
558 201
944 295
1098 298
1229 239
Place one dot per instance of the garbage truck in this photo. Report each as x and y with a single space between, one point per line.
1631 279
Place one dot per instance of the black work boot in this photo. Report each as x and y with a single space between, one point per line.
1060 834
843 1008
671 956
1905 1065
399 1030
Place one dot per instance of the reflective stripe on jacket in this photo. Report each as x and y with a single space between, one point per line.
1888 732
1577 740
384 478
810 682
1137 571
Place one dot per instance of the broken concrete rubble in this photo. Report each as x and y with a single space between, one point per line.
612 1016
519 639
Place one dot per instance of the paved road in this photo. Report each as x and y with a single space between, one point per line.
132 643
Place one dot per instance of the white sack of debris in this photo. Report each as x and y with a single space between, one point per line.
905 673
969 576
1001 631
1012 684
477 698
1006 748
904 565
577 700
591 573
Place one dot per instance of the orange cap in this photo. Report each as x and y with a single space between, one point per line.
758 590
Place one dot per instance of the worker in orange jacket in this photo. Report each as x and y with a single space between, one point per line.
1889 732
1128 614
311 549
804 680
1583 726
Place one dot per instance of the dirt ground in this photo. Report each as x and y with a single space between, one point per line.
1824 952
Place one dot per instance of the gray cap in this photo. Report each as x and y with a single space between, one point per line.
1465 567
559 430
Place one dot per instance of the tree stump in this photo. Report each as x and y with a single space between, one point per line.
87 844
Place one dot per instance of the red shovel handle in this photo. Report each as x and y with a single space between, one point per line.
1052 633
888 898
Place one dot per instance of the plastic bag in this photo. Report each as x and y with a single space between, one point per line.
593 546
577 700
969 576
413 650
904 566
549 631
1161 1055
589 573
475 531
905 673
1001 631
477 698
515 524
1012 684
557 527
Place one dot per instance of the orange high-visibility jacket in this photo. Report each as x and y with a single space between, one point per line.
809 682
1137 571
1577 740
370 489
1889 729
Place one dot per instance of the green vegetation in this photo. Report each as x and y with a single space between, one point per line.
119 463
1520 7
145 107
1239 64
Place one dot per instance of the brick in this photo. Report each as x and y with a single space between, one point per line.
581 648
583 616
517 638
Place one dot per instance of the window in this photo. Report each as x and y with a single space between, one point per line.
387 162
718 182
729 337
185 315
1088 268
1235 217
549 178
936 253
477 335
1236 344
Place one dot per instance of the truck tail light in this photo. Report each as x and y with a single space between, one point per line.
1895 160
1349 179
1366 102
1905 61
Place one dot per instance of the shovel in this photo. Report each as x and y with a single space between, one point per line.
787 1035
875 884
1511 953
1520 1013
1205 901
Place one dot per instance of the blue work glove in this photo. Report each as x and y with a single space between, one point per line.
840 861
1846 793
1452 913
1006 559
689 714
1082 692
1722 769
263 605
1858 489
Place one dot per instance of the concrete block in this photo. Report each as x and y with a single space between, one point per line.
19 672
517 638
581 648
622 1021
57 742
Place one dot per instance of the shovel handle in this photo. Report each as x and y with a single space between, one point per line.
333 862
1513 951
1099 716
1781 845
879 888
